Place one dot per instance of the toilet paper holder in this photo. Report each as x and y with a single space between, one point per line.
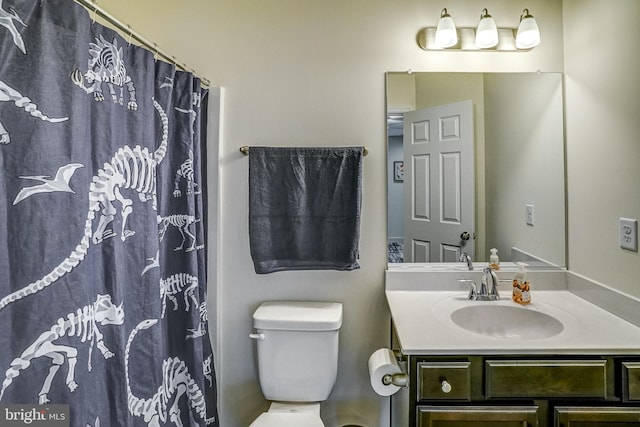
401 379
387 371
398 380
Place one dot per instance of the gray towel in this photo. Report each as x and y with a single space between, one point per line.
304 208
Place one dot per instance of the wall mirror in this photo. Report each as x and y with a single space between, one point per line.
504 189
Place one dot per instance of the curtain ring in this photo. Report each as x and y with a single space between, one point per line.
95 11
130 35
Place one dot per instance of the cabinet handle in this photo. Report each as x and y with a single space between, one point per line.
257 336
446 387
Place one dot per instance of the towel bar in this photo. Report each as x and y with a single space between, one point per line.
245 150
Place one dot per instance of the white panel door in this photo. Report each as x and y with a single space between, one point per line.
439 183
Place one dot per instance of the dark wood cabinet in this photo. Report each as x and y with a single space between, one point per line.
546 378
631 381
477 416
521 390
588 416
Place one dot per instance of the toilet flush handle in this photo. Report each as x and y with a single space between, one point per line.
257 336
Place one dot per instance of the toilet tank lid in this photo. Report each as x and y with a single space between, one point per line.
298 316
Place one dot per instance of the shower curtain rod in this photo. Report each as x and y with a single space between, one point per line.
94 9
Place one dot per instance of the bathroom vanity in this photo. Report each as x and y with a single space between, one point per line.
521 390
560 361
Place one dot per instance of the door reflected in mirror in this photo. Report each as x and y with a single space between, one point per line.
506 189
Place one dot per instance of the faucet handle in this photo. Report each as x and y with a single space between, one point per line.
464 257
473 289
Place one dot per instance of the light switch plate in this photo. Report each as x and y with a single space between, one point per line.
529 214
629 234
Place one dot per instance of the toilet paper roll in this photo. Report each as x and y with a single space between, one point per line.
383 362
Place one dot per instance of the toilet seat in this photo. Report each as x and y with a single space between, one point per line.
287 419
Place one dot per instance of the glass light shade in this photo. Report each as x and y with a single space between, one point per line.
446 34
487 32
528 35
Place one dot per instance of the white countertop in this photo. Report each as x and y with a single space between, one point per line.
423 325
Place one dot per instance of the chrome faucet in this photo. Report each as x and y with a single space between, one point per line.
464 257
488 287
490 290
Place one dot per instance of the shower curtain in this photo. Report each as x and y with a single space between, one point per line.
102 233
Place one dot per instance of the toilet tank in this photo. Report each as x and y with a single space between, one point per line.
297 349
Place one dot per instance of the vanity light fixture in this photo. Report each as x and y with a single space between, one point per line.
446 33
528 35
487 31
485 37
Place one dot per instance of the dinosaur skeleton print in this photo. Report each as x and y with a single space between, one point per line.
103 298
8 94
106 66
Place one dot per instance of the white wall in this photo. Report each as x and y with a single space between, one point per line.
603 137
303 72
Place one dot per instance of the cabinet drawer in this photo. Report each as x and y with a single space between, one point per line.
631 380
545 378
477 416
444 381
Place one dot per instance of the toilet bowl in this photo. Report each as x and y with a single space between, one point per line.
290 415
297 352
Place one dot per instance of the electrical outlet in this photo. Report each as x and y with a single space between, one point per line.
629 234
529 214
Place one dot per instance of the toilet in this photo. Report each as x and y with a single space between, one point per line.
297 351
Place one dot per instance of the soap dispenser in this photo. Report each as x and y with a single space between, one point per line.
521 288
494 261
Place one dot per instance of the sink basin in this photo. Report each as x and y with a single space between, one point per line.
506 321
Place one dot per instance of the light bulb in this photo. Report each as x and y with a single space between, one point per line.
487 32
528 34
446 34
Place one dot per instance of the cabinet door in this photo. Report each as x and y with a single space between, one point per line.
631 380
596 417
477 416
